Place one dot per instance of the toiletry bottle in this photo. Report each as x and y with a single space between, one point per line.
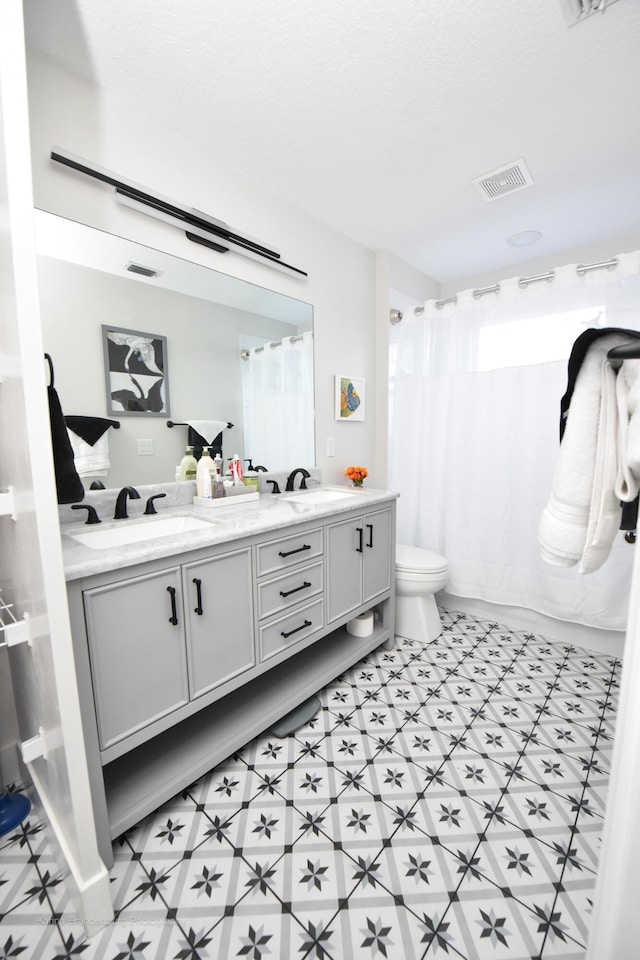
251 479
236 471
218 462
217 488
206 467
188 465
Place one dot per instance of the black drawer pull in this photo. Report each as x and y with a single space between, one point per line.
359 547
174 613
198 584
370 529
288 553
287 593
307 623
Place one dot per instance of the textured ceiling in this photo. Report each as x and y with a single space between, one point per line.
374 116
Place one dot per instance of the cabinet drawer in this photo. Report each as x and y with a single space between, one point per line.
290 629
294 587
280 554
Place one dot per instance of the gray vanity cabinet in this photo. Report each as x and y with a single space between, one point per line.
358 562
219 619
182 660
137 652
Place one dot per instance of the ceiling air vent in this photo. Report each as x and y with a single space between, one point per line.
509 179
140 270
575 11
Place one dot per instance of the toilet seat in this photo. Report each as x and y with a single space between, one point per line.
416 560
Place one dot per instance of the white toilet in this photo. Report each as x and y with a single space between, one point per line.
419 575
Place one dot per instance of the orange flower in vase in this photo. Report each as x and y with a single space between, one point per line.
357 475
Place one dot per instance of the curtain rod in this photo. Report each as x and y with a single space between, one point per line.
581 269
245 354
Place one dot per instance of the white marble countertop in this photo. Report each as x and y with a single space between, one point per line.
228 523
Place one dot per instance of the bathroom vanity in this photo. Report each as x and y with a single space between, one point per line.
188 645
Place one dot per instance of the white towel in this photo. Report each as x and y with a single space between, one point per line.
604 509
90 461
208 429
628 404
582 515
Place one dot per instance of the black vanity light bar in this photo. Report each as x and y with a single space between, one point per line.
199 227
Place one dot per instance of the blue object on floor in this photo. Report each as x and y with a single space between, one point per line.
14 807
297 718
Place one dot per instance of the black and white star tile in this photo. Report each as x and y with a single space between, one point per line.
447 799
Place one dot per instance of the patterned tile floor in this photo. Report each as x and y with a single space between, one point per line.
447 800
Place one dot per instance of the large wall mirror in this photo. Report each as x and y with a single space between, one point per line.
193 345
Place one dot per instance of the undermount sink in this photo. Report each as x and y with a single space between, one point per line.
319 496
139 531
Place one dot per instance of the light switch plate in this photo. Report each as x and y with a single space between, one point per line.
331 446
145 448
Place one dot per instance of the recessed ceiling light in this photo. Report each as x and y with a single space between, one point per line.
524 239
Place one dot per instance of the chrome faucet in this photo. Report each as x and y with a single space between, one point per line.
121 502
292 476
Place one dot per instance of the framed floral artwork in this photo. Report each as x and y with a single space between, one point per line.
349 398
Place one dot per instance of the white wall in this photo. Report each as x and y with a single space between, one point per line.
398 286
70 114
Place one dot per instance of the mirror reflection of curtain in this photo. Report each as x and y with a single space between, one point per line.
475 391
277 398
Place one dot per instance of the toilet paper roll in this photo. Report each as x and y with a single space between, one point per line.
361 626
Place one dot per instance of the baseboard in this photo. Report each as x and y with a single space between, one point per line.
608 642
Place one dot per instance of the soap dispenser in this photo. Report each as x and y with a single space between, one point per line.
204 474
188 465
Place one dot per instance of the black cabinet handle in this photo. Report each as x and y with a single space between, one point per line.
198 584
287 593
288 553
307 623
174 613
370 529
359 547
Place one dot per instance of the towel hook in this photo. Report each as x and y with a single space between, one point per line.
50 362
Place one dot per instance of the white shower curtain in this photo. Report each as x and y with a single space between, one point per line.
475 392
277 398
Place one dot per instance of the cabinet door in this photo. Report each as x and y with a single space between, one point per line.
345 545
219 616
377 554
136 647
